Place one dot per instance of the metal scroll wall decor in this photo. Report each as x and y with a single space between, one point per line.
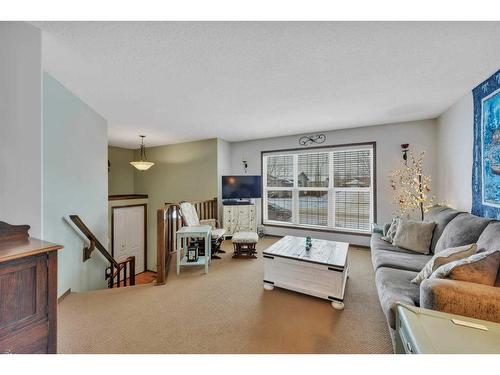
309 140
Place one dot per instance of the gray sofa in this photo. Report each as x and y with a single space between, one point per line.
396 267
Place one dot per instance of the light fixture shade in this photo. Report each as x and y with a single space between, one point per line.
142 165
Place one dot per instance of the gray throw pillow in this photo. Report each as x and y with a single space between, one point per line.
445 256
391 232
481 268
414 235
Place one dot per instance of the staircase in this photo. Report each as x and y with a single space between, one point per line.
169 220
118 274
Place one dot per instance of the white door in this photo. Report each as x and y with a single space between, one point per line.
128 235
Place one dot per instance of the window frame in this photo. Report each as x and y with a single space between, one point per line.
330 189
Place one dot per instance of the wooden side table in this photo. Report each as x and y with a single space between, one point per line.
423 331
183 236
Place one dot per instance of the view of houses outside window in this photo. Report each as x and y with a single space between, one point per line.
327 188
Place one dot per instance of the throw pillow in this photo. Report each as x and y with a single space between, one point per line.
414 235
445 256
479 268
483 271
391 232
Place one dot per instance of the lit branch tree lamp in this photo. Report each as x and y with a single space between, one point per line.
411 186
142 164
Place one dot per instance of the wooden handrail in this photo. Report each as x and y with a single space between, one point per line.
115 269
168 222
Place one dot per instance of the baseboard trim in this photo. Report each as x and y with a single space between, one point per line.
64 295
360 246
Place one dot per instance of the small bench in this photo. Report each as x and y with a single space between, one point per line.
244 244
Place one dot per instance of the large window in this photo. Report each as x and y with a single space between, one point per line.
324 188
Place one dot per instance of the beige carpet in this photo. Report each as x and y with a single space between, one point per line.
225 311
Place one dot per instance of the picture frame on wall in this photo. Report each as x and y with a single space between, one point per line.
486 162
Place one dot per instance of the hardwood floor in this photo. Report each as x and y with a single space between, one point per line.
145 277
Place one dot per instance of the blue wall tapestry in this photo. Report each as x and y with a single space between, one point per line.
486 167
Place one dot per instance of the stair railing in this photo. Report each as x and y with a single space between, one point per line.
168 222
117 273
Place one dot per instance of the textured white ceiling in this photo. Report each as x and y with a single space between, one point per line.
182 81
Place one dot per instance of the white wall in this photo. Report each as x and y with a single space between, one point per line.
21 125
75 181
422 135
455 140
224 167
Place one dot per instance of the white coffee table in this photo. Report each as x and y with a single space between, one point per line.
320 272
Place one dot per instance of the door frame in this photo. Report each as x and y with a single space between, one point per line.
145 205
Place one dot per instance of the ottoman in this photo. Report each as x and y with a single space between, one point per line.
244 244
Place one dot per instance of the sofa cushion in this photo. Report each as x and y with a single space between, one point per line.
245 237
441 215
490 238
484 271
394 286
189 215
400 260
377 243
480 268
414 235
387 226
462 230
391 232
444 256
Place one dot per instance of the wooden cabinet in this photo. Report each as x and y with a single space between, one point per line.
28 295
239 218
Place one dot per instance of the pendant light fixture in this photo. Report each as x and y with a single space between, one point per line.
142 164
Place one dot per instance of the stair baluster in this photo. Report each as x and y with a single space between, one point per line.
114 270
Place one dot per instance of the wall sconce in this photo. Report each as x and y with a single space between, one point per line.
245 165
405 147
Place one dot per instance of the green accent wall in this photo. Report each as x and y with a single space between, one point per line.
121 173
182 172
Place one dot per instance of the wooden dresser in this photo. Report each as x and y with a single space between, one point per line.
28 292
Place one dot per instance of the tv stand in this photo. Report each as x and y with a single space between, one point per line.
237 202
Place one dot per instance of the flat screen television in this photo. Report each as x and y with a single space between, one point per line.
238 187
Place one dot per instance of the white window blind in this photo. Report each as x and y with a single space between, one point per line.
331 188
280 171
